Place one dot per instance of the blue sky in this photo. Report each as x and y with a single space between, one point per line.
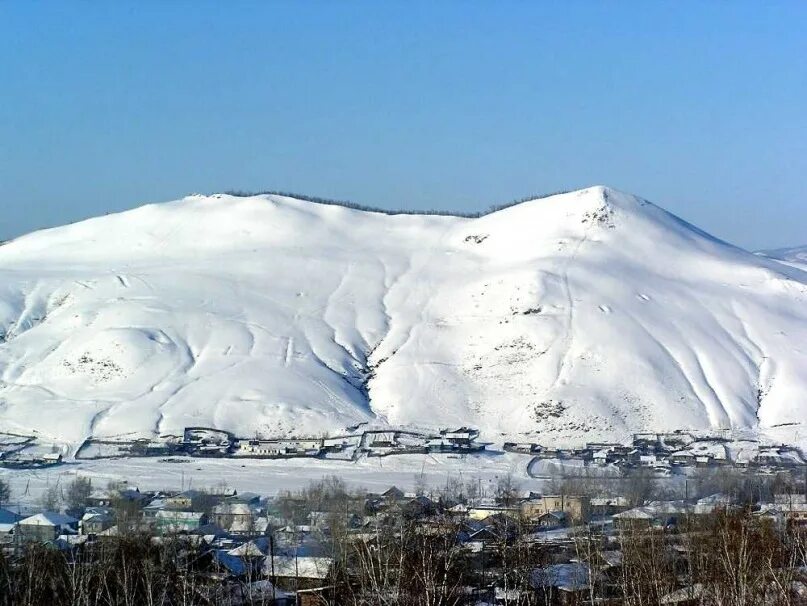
700 107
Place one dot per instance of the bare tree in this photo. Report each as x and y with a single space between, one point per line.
51 498
507 490
5 491
77 493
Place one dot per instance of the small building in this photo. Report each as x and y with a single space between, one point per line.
552 520
521 447
418 507
608 506
393 493
380 439
46 526
482 512
645 440
797 498
237 518
638 518
461 436
561 584
577 507
188 500
171 521
601 457
682 457
279 448
95 523
648 460
107 498
298 571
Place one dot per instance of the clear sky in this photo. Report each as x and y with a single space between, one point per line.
700 107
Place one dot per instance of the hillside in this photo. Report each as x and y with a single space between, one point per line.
585 315
796 256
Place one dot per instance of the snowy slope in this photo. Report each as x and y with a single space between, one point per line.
580 316
796 257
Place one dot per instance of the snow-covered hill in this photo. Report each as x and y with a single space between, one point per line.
585 315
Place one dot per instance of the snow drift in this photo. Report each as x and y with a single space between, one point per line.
585 315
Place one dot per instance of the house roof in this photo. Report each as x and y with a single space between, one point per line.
48 518
567 577
637 513
96 517
558 515
8 517
303 567
179 515
251 549
609 501
233 509
232 563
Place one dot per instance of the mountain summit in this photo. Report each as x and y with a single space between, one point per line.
592 314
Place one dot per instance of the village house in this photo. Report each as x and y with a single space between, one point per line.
46 526
393 493
298 571
279 448
380 439
521 447
577 507
794 513
237 518
95 522
206 436
682 457
601 457
418 507
638 518
171 521
647 441
482 512
189 500
552 520
608 506
561 584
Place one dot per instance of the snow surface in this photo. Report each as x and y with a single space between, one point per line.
271 477
581 316
796 257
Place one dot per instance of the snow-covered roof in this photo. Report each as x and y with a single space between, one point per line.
609 502
637 513
48 518
567 577
251 549
304 567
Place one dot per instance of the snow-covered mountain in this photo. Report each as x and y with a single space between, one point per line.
585 315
